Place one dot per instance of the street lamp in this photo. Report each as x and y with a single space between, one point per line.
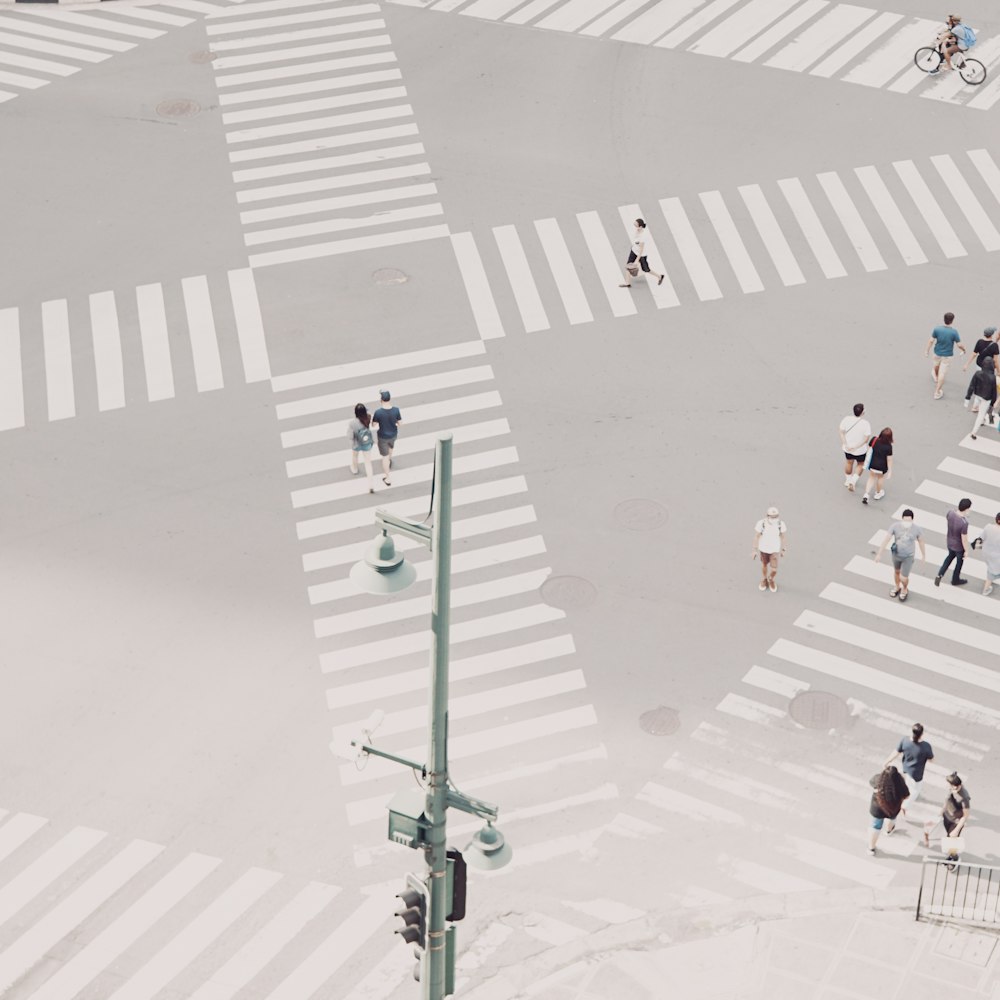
383 571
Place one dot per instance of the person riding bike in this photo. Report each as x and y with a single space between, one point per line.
957 37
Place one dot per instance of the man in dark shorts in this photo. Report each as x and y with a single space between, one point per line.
388 419
638 253
855 432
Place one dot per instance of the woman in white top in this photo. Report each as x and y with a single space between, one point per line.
989 541
638 253
359 433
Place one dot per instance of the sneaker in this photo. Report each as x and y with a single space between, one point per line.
959 583
871 851
850 486
938 394
879 495
988 591
772 586
937 581
864 499
762 585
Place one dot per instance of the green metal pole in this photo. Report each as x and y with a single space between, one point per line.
437 756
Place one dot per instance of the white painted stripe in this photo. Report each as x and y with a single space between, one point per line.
768 880
951 87
249 325
100 24
47 31
563 271
45 869
766 41
681 804
656 21
314 87
981 446
690 249
433 382
971 470
288 109
108 364
771 680
902 688
489 10
840 863
87 964
812 228
58 360
771 234
201 330
951 495
344 180
663 295
747 708
988 170
21 80
36 942
51 48
737 29
575 14
378 366
896 723
332 523
419 642
320 124
19 828
693 24
890 215
820 37
419 607
303 69
41 65
144 14
447 5
332 204
946 665
522 282
389 217
197 935
854 46
330 492
851 220
215 26
530 11
616 15
301 51
267 943
321 964
477 286
193 5
325 31
606 263
970 206
155 342
349 246
987 96
928 207
738 786
483 665
11 378
548 930
732 242
7 95
894 56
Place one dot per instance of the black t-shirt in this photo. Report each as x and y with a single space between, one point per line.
881 450
986 349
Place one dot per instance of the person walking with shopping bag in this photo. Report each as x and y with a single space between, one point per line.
955 814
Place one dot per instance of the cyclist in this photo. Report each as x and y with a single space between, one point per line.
957 37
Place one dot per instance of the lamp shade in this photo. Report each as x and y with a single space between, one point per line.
488 850
383 570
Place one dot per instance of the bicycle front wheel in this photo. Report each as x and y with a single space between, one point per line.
973 71
928 59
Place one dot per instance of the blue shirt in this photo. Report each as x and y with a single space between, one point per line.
387 420
965 37
945 339
915 757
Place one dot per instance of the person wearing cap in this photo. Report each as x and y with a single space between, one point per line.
984 396
905 536
986 347
388 419
768 542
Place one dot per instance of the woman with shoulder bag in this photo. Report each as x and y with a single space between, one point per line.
887 801
359 433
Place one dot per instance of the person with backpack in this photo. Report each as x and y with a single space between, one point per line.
957 37
768 542
359 433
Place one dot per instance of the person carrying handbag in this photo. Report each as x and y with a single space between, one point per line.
955 814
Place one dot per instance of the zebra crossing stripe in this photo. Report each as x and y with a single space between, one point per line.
691 25
690 249
732 242
17 830
107 342
988 170
249 325
771 680
25 26
851 220
606 263
807 47
888 211
529 302
58 360
563 271
771 235
665 296
850 49
656 21
51 48
849 866
812 228
928 207
779 31
724 39
889 60
102 23
968 203
155 342
574 15
11 378
762 878
616 15
201 330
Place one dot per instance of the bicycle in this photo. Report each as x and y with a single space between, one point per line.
929 60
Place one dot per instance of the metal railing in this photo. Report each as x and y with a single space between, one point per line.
958 891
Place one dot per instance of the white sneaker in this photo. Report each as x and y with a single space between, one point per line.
966 404
879 495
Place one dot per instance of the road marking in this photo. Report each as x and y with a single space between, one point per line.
51 48
849 866
812 228
58 360
970 205
928 207
216 26
691 808
747 708
891 216
664 295
386 217
46 31
891 59
42 65
739 786
656 21
771 234
768 880
21 80
301 51
320 124
852 48
249 325
851 220
606 263
100 24
490 10
324 163
988 170
616 15
326 204
690 249
737 29
108 364
563 270
201 330
530 11
325 31
695 23
477 286
575 14
291 108
522 282
317 86
807 47
771 680
303 69
156 16
766 41
155 342
18 829
732 242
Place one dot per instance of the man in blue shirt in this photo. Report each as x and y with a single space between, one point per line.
943 340
915 753
956 37
388 419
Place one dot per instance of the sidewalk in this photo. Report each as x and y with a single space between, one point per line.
849 945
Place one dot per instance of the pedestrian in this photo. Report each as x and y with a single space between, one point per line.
768 542
388 419
904 535
943 340
879 462
890 792
958 543
916 752
359 433
637 252
986 347
989 542
984 395
854 434
956 811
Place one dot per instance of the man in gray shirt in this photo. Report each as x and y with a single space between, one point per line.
904 536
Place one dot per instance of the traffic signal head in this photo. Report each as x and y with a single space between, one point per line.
412 910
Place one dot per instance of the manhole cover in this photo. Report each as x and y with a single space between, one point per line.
819 710
202 57
179 107
661 721
568 592
640 514
389 276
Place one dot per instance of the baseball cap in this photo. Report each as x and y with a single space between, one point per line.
385 395
990 330
772 511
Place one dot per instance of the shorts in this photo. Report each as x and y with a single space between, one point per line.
942 364
769 558
877 822
902 565
643 263
855 458
385 446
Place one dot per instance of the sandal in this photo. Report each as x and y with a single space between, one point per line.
386 481
904 594
895 592
624 286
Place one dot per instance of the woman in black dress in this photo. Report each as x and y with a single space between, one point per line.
880 465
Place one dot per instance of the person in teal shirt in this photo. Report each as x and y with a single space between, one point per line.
944 340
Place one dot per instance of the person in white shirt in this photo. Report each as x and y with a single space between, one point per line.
855 433
638 253
768 541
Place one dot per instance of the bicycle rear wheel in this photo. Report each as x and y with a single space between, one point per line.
928 59
973 71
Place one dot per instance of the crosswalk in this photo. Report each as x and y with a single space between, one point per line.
782 797
324 147
154 342
40 43
834 41
720 244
